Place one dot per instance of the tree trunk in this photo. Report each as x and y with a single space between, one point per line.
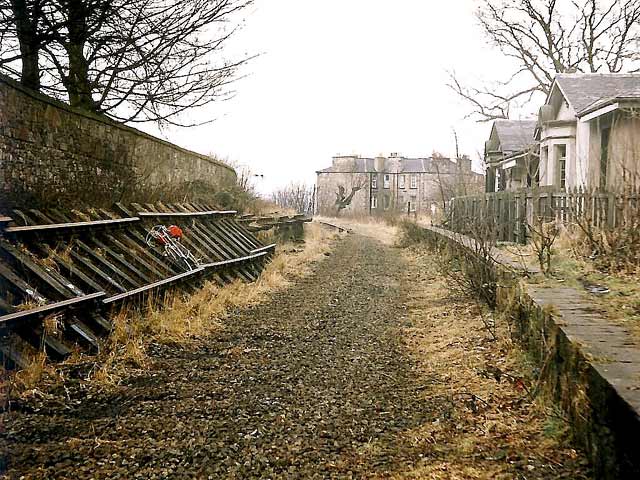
77 81
27 33
30 76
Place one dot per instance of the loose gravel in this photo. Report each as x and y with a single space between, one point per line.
300 387
315 383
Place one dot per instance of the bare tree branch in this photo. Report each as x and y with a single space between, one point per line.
547 37
134 60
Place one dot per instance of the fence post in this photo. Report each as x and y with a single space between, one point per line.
611 207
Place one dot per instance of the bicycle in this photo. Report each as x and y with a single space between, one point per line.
169 239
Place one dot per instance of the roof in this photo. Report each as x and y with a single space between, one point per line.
582 90
415 165
392 165
514 135
360 165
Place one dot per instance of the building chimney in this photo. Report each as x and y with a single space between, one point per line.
464 163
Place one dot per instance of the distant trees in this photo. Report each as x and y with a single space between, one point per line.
546 37
299 197
134 60
454 182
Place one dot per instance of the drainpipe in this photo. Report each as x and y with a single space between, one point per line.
397 193
370 192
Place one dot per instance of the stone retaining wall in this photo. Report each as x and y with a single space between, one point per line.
53 155
590 367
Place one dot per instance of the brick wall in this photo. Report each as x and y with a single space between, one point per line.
51 154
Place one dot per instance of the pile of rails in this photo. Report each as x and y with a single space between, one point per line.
257 223
76 267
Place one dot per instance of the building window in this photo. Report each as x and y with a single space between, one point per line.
386 181
374 181
502 179
413 200
386 202
561 155
490 180
374 202
401 181
414 181
604 156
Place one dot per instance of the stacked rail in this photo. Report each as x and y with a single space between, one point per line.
257 223
76 267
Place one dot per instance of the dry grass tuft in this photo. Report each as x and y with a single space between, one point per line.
124 350
27 379
61 251
53 325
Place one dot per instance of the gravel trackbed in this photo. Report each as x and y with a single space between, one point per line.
317 382
312 384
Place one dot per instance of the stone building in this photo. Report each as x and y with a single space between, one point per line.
359 186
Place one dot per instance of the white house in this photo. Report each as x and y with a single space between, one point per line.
589 131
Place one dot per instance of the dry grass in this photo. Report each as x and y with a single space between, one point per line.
25 382
52 325
182 318
486 422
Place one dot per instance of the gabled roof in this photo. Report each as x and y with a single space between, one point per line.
584 89
514 135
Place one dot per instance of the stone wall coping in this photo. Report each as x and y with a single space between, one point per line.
104 120
499 257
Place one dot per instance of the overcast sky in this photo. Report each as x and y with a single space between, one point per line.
346 76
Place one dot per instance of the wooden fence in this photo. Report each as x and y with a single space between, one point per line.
512 212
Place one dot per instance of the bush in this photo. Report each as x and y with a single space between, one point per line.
411 233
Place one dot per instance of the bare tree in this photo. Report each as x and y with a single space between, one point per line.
23 33
454 179
134 60
546 37
295 196
354 181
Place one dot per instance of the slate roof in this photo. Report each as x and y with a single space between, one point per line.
515 135
361 165
392 165
584 89
415 165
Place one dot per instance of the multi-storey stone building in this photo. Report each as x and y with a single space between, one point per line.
354 185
